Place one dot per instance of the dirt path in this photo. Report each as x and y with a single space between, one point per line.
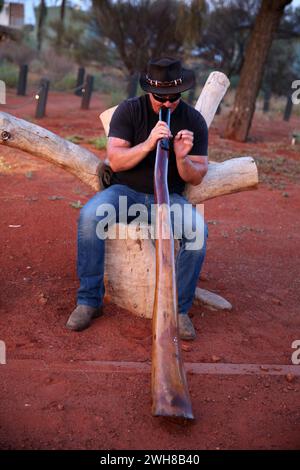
54 393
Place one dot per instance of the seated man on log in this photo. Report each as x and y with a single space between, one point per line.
135 129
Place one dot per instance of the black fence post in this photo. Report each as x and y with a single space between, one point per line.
22 81
267 97
288 108
191 96
133 85
42 98
87 92
80 81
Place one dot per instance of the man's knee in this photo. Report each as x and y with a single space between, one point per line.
88 212
99 204
188 224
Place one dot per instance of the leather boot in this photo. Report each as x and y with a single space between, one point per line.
81 318
186 327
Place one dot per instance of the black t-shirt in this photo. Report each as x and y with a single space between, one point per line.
133 121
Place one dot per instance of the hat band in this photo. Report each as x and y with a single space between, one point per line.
159 84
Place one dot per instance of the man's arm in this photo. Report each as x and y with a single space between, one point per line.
122 156
191 168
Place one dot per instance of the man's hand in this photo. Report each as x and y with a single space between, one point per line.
183 143
160 131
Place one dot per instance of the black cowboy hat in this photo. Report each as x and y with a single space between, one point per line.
166 76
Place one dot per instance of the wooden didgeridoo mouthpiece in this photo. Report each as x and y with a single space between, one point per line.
170 394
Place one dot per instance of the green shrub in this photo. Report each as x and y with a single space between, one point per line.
99 142
115 97
67 83
75 139
296 110
102 84
106 82
9 74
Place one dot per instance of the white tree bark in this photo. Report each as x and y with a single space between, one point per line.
211 300
130 273
231 176
211 95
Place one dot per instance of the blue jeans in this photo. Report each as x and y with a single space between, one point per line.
91 248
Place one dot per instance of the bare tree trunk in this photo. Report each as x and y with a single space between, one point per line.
41 21
62 10
60 29
266 24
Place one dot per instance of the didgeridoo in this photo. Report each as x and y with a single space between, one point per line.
170 395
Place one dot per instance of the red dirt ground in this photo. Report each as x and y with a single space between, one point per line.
252 260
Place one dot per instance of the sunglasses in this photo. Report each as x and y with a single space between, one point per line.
165 98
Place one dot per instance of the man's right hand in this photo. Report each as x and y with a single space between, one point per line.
160 131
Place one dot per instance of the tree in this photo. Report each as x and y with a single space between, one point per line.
289 26
141 29
283 59
280 69
62 10
226 31
61 25
42 13
265 26
77 39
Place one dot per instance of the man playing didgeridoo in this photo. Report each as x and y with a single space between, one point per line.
134 132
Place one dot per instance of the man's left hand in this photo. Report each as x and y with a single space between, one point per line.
183 143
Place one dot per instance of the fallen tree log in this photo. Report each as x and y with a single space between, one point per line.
236 174
130 262
38 141
230 176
